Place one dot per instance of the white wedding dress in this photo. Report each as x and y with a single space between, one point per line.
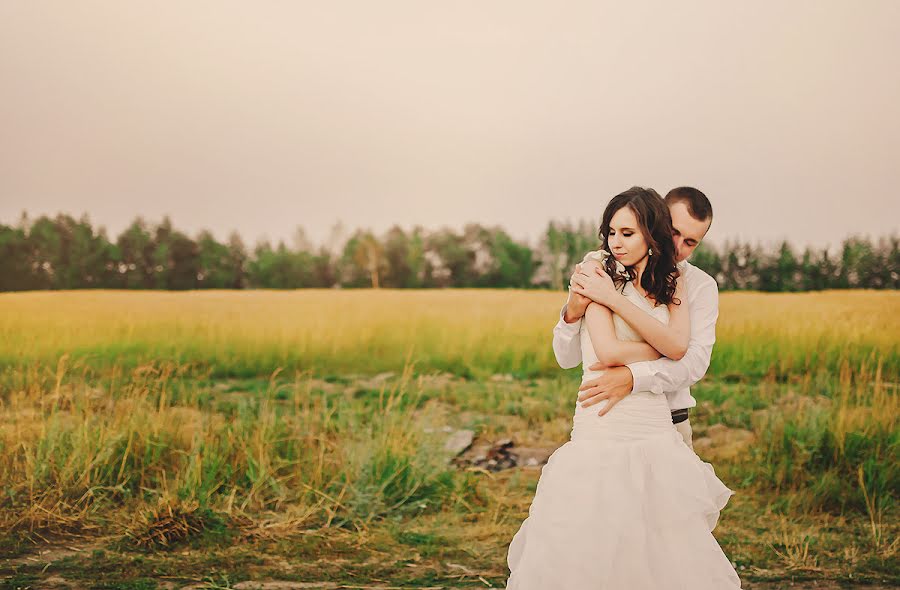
624 504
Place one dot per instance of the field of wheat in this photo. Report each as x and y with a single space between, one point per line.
235 432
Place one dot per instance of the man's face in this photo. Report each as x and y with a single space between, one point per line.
688 230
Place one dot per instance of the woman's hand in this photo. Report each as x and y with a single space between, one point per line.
577 304
593 283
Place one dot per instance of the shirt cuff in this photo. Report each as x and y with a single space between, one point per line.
563 324
643 378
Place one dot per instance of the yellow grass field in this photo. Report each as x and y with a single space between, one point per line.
475 332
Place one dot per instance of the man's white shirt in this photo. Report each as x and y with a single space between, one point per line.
664 375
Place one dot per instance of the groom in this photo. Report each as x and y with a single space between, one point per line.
691 217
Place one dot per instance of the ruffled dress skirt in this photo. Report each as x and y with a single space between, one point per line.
623 505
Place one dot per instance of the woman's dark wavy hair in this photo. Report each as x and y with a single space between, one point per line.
655 223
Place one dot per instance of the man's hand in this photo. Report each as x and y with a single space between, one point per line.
578 303
613 385
596 286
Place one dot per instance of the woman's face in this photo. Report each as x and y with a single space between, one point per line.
626 242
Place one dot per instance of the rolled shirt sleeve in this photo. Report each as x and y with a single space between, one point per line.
643 376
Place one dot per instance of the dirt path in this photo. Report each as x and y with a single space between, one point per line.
27 572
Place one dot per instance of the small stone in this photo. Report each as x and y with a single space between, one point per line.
459 441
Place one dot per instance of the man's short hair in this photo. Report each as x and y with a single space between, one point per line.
697 204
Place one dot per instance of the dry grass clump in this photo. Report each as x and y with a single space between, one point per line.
167 523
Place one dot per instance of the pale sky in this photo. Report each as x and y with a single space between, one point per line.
261 116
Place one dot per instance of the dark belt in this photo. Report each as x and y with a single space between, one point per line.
679 415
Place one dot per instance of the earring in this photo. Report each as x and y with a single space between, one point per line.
650 252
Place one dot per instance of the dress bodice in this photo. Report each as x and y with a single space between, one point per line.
623 330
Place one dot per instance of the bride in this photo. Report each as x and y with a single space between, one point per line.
625 504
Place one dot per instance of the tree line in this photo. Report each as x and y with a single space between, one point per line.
64 253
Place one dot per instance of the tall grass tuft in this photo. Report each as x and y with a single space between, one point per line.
334 460
835 453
